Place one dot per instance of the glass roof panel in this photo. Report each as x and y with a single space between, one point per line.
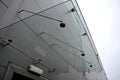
43 38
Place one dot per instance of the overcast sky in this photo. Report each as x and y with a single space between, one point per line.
103 20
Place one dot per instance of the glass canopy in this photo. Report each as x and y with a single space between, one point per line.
42 38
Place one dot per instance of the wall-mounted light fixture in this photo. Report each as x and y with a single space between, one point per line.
39 61
62 24
34 69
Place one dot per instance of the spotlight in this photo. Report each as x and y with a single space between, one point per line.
62 25
91 65
84 34
72 10
82 54
9 40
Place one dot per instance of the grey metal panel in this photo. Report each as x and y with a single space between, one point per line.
7 2
2 10
2 71
44 4
10 54
10 13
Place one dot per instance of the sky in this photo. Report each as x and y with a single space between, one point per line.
103 20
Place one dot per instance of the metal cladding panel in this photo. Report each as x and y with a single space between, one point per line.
2 9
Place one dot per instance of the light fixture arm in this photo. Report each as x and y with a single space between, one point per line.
39 15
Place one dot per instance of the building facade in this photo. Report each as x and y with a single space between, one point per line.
49 34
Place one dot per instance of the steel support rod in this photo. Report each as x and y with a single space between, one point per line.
39 15
60 41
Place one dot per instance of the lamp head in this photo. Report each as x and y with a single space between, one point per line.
72 10
62 25
82 54
9 40
91 65
84 34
